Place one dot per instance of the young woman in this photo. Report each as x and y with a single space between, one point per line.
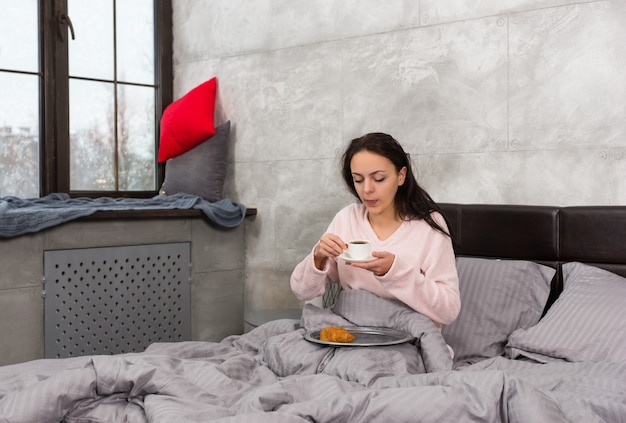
413 258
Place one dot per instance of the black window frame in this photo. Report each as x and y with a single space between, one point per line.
54 35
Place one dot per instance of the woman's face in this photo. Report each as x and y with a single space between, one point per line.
376 181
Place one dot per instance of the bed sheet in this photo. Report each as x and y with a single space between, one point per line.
272 374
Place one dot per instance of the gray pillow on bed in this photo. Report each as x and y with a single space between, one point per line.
497 297
586 323
200 171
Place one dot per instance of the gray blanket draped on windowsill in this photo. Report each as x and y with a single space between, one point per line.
20 216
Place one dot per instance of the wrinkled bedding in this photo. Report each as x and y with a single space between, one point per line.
272 374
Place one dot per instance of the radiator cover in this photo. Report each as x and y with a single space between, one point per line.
113 300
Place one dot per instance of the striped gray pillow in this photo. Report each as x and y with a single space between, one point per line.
586 322
497 297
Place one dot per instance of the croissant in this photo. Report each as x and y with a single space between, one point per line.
336 334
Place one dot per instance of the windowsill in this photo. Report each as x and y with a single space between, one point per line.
152 214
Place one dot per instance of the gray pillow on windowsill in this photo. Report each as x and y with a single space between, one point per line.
200 171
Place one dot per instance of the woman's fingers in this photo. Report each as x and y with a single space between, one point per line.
380 266
331 245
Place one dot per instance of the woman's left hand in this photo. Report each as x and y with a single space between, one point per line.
380 266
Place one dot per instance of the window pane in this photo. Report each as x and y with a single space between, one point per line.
18 35
92 144
91 53
19 135
135 41
136 134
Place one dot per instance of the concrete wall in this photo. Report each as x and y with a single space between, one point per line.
217 289
518 101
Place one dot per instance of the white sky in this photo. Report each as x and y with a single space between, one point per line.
18 50
90 54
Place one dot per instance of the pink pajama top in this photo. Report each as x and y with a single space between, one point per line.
423 274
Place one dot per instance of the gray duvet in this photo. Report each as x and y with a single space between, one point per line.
272 374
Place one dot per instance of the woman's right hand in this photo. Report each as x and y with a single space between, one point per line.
330 245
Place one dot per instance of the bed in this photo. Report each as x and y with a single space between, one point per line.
541 338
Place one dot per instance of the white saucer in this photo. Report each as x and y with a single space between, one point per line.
346 257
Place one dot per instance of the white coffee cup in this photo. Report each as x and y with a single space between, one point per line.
359 249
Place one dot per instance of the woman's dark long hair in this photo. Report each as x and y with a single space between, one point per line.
412 201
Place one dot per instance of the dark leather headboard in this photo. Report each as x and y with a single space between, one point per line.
504 231
594 235
547 234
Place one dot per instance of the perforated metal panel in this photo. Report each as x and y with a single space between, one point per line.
116 299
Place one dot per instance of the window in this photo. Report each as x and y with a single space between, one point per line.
19 91
83 84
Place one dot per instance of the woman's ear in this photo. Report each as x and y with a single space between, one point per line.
402 176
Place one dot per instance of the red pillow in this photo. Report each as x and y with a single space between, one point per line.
188 121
